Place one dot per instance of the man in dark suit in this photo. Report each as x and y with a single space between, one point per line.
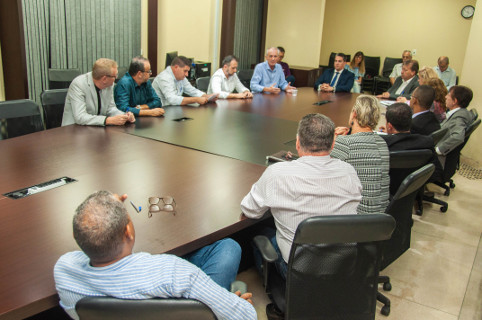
457 121
405 84
423 120
399 119
338 79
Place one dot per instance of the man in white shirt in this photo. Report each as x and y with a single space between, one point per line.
313 185
225 80
405 84
397 69
171 83
445 73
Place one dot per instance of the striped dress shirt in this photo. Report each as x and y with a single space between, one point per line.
144 276
368 154
300 189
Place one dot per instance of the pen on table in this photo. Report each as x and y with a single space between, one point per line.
138 209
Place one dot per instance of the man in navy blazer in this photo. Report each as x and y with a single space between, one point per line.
338 79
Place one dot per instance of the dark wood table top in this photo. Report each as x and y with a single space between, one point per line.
36 230
208 188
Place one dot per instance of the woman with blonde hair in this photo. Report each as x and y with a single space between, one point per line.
438 107
367 152
357 67
425 74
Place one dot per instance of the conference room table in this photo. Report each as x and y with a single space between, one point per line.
207 164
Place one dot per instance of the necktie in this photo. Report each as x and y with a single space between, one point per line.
334 79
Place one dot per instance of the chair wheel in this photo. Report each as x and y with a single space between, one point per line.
385 310
387 286
444 208
418 212
447 192
452 185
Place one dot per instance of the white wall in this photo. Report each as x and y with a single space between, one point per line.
471 78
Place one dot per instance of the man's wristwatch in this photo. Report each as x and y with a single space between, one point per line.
138 106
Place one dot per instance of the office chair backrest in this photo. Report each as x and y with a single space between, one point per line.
404 162
372 66
108 308
388 65
19 117
203 83
53 102
61 78
438 135
121 71
245 77
474 113
333 266
400 208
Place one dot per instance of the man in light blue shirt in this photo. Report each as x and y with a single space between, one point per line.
268 76
445 73
106 266
171 84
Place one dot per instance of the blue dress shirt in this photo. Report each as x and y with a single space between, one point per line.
263 77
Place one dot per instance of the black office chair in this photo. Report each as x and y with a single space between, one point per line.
382 82
61 78
108 308
332 268
436 176
372 69
474 113
404 162
19 117
121 71
53 102
452 162
400 208
245 77
203 83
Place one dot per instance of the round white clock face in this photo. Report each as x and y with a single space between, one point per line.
467 12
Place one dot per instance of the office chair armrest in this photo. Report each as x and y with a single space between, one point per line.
267 250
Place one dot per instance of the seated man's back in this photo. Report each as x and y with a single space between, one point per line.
313 185
106 265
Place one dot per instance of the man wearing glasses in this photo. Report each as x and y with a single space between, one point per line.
90 99
134 92
106 266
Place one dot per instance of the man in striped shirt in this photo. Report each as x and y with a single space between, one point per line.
313 185
107 266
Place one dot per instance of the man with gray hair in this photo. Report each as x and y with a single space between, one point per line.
90 99
397 69
225 80
313 185
106 266
445 73
268 76
134 91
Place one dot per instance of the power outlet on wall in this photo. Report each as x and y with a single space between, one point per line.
414 52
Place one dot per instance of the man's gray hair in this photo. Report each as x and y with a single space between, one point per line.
99 225
227 60
316 133
137 64
267 50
